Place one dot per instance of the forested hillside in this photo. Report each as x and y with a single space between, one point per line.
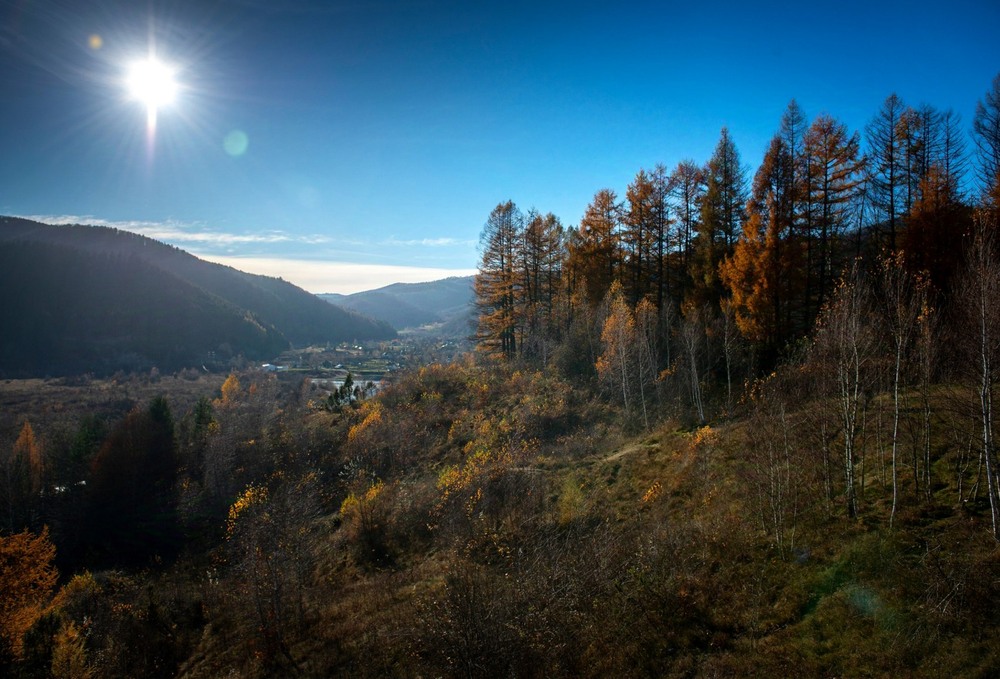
92 299
722 430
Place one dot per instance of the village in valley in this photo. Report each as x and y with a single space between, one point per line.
365 367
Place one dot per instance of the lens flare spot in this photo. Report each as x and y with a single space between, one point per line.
236 143
95 42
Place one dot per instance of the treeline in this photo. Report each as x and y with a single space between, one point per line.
701 260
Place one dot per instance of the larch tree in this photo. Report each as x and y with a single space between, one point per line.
721 217
131 491
749 277
885 165
687 187
540 271
596 254
929 151
952 157
28 447
834 174
986 132
230 391
936 226
759 272
915 143
27 578
792 131
662 237
22 478
791 207
639 236
497 285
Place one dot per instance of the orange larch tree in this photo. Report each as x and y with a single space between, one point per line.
27 577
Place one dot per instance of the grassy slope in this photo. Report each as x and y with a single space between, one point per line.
845 598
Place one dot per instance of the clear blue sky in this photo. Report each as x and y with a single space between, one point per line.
383 133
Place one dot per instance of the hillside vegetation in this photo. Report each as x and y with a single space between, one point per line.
474 522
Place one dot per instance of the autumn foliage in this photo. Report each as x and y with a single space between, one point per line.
28 577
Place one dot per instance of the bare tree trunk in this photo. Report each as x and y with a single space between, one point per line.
982 285
691 344
845 344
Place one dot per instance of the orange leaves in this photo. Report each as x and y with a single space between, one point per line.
230 391
27 577
27 448
758 275
614 366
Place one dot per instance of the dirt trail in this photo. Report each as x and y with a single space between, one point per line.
628 450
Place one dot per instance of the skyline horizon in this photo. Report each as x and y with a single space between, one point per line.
307 274
358 142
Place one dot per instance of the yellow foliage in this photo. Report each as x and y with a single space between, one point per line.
69 657
230 391
653 492
80 586
352 503
570 501
449 480
252 496
705 436
372 418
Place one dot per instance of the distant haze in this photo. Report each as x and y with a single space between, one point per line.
337 277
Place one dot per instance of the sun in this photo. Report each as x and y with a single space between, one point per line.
151 82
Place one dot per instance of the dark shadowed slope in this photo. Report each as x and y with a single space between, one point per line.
82 298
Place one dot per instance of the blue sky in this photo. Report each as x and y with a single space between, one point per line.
379 135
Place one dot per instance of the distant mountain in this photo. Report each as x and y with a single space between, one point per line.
409 305
94 299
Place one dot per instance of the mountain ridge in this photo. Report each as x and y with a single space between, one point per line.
98 299
410 305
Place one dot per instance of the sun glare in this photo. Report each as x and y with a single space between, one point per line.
152 83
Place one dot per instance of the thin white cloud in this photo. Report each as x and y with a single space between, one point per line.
171 231
310 274
342 277
431 242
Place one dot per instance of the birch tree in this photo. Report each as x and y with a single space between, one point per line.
845 349
900 311
980 289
